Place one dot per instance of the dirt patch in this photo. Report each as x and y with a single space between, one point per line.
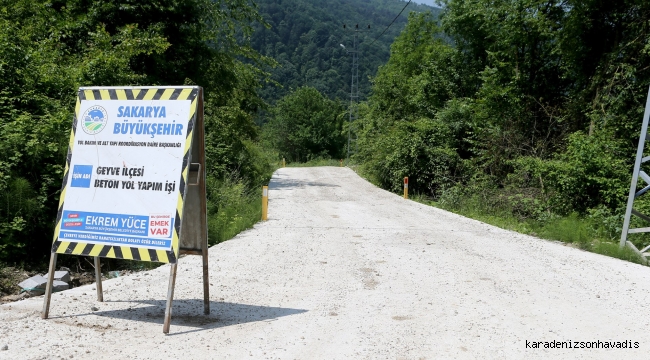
370 284
10 277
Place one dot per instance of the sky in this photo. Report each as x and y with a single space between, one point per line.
426 2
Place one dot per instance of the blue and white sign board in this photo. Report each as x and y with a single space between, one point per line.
126 173
126 190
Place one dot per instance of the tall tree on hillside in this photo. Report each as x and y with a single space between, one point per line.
306 125
50 48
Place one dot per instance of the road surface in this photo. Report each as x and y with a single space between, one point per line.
344 270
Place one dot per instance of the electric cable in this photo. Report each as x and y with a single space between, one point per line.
391 23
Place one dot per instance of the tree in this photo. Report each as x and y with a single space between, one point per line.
539 98
50 48
306 125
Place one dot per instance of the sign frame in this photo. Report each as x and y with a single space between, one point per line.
189 230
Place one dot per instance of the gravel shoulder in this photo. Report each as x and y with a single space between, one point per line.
343 270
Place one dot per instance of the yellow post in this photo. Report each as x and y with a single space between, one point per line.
283 163
406 187
265 202
341 162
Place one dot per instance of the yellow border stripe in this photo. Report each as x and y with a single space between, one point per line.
126 252
64 245
150 94
111 253
188 142
162 256
192 109
136 92
76 114
89 95
121 94
57 228
104 95
185 93
65 189
79 248
77 106
167 94
144 254
96 250
71 143
175 243
179 205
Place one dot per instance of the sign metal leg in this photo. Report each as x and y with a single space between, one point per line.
170 297
48 288
98 277
206 283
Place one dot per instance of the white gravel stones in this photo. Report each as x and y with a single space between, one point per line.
338 272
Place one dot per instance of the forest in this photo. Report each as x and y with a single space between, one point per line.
521 113
50 48
524 114
305 38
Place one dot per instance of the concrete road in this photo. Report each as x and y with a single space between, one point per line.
344 270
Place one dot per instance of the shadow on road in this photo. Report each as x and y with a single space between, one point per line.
190 313
278 183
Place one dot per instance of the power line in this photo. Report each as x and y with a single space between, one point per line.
391 23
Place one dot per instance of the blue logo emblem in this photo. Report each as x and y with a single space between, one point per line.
81 176
94 120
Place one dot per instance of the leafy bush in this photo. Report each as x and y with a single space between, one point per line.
592 171
50 48
419 150
306 125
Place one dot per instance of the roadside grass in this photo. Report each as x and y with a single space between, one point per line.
581 232
233 208
317 162
590 234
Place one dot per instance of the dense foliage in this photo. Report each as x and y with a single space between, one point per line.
305 38
306 125
536 105
50 48
528 106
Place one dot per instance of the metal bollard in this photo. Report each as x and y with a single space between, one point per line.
406 187
265 202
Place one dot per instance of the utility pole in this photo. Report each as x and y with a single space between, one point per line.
354 87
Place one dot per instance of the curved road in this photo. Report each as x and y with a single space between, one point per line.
344 270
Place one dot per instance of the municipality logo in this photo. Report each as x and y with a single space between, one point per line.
94 120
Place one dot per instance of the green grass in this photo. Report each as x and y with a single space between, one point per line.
317 162
235 209
582 232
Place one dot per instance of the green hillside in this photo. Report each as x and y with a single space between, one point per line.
305 36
